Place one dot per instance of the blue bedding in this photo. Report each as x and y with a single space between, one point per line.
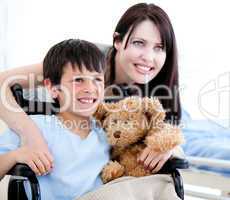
207 139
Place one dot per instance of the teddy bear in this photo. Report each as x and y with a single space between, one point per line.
131 125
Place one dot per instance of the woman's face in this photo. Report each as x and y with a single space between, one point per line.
143 57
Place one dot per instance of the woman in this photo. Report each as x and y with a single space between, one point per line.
143 55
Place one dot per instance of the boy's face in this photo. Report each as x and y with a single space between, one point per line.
80 91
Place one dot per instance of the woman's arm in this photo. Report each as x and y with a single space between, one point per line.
20 155
28 77
7 160
21 75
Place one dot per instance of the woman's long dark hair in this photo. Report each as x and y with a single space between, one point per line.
168 76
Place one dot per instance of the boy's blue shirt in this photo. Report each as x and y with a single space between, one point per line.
77 162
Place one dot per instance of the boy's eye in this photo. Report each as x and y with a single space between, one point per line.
78 80
99 79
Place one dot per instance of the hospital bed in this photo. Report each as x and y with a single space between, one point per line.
209 185
208 152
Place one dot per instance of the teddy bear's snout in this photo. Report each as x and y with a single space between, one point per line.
117 134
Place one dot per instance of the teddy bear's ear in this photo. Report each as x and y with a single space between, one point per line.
100 112
105 109
153 109
131 104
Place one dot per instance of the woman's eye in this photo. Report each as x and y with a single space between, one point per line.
158 48
138 43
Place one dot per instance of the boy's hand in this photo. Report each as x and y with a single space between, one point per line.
35 159
152 160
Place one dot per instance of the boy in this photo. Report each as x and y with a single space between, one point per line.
73 73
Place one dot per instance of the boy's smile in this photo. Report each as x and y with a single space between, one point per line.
87 98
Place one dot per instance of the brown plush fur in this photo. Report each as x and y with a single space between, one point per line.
131 125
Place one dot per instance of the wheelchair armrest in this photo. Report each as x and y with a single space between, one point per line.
171 167
34 107
173 164
22 172
17 92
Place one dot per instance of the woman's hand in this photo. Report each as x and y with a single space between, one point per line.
36 155
152 160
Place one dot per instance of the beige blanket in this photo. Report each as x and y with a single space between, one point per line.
157 187
4 182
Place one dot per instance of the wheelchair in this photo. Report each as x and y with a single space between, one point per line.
21 173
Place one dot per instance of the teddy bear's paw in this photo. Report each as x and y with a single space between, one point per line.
112 171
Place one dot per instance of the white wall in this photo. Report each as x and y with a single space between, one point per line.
201 27
3 24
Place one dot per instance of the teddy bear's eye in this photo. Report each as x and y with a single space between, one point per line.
115 121
117 134
125 122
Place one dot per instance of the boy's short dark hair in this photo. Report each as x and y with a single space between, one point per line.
75 51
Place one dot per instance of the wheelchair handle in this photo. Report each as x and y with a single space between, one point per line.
174 164
25 171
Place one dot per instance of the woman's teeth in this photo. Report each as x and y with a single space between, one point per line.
144 69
